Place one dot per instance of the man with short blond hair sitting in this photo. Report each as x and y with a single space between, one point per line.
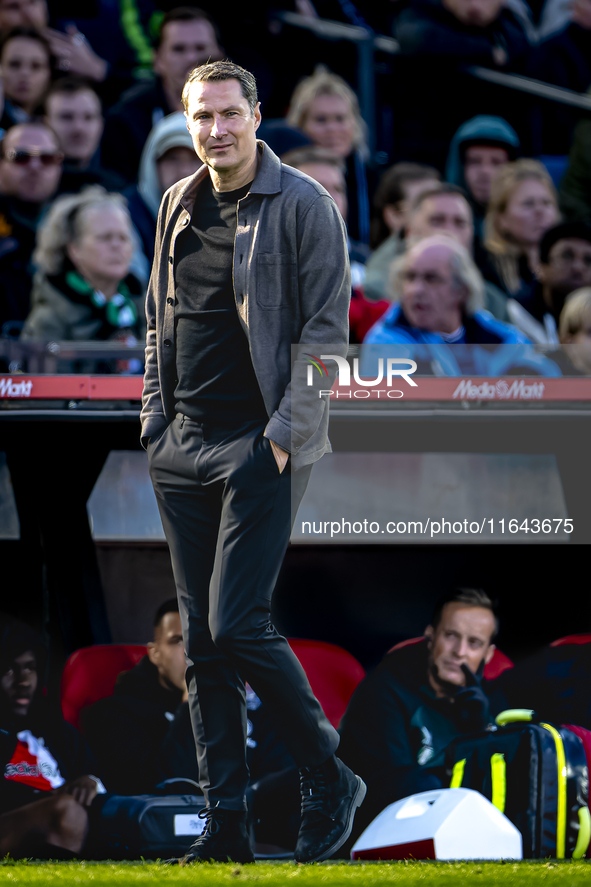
403 715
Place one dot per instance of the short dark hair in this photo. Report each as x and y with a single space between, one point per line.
70 86
218 72
470 597
443 188
17 638
169 606
564 231
390 190
30 34
298 157
186 14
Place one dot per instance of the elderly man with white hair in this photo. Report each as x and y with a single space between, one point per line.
438 294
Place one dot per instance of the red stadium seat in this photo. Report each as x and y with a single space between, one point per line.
497 665
572 639
333 674
90 674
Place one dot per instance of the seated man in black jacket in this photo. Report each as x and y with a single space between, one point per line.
403 715
45 785
142 734
126 731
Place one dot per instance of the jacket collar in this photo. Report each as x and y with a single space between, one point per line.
266 181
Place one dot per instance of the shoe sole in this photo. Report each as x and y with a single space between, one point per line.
356 801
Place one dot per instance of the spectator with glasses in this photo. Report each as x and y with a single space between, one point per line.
438 294
83 287
445 209
30 172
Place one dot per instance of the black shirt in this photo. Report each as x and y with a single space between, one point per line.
216 378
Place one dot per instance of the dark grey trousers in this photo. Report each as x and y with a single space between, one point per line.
227 514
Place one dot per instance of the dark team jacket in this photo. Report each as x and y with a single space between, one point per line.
126 731
142 734
395 730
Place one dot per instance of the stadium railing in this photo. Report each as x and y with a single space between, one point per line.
368 43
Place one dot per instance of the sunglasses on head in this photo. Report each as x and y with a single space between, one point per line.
47 158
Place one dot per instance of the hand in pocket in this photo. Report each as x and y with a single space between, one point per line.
281 455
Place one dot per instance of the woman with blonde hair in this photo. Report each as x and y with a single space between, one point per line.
575 333
523 206
326 109
83 288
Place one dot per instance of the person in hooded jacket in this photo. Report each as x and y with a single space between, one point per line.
47 779
167 157
479 148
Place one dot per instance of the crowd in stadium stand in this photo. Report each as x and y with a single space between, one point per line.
96 101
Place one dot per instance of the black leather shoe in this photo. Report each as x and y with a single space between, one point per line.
224 839
331 795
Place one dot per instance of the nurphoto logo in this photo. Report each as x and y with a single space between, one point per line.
389 369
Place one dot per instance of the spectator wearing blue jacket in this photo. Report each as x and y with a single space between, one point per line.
441 297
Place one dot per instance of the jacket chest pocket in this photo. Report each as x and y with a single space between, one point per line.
276 280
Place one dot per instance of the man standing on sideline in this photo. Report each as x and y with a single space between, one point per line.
251 257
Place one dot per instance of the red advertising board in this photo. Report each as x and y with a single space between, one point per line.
508 390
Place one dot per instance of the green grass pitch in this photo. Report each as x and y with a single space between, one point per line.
405 874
